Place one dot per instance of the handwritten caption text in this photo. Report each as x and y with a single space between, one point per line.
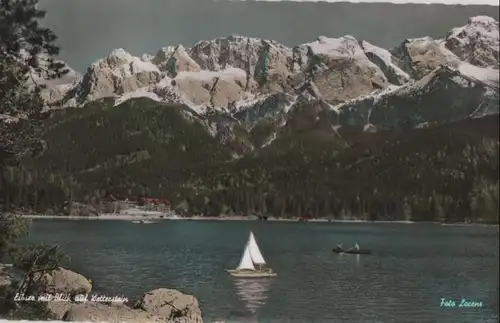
61 297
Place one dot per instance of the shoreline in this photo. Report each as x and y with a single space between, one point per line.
130 217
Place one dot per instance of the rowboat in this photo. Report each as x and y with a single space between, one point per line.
352 251
143 222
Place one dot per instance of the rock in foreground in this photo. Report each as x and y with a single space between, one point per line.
159 305
171 304
96 312
63 281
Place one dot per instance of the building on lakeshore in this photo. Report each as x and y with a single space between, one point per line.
154 204
143 203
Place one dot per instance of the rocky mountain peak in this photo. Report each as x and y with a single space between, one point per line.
235 73
387 63
265 62
334 49
116 58
477 42
122 64
175 59
339 68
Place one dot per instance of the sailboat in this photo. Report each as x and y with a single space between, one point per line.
251 258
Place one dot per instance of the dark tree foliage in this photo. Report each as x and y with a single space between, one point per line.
11 229
27 53
448 172
444 173
32 262
138 148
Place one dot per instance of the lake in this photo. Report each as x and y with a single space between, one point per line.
413 267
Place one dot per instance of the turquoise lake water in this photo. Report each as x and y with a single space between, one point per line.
412 268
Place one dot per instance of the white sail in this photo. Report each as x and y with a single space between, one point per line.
246 260
255 253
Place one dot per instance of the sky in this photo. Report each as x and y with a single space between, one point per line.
91 29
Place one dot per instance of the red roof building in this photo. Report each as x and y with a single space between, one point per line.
153 200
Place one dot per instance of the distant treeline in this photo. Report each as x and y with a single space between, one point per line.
443 173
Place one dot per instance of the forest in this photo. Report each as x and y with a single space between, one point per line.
446 173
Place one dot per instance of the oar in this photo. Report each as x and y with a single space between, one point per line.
348 249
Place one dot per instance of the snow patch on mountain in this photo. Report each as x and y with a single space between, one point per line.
288 105
247 103
487 75
375 96
477 42
345 47
343 50
139 93
228 74
123 64
384 59
269 140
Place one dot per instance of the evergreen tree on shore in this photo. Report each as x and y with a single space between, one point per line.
27 53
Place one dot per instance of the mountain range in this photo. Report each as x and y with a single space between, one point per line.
248 80
242 125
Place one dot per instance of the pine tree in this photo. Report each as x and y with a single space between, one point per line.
26 54
172 68
265 67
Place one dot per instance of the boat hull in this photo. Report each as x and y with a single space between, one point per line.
354 252
250 273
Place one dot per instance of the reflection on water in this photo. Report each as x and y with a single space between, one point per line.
414 266
348 257
253 292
